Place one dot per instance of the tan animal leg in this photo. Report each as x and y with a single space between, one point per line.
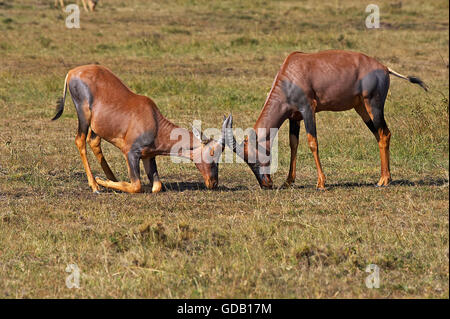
91 5
133 187
61 3
94 142
80 141
314 147
383 136
383 144
84 5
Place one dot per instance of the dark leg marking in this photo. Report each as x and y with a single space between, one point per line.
145 140
294 131
296 96
133 163
375 86
152 173
80 92
371 126
294 128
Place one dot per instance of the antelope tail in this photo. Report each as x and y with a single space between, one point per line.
411 79
61 101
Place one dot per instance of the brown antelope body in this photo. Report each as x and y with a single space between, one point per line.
308 83
108 110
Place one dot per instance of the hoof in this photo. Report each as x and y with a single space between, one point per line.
99 180
97 192
157 187
322 189
384 182
287 184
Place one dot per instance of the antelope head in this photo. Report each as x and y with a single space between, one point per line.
206 157
249 150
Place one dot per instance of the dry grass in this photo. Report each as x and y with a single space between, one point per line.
200 60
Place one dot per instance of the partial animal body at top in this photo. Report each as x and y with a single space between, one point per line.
91 4
109 110
308 83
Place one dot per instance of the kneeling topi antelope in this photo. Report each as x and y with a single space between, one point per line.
107 109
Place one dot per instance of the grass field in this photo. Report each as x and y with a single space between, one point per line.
200 60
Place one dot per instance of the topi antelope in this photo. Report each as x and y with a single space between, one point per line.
91 3
108 110
308 83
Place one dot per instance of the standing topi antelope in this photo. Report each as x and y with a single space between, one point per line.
308 83
91 3
107 109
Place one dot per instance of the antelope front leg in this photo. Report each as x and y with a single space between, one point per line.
294 130
314 147
132 159
61 3
152 173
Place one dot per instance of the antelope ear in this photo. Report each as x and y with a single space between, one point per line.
199 135
196 133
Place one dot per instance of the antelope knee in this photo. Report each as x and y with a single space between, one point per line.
312 146
79 142
135 188
384 140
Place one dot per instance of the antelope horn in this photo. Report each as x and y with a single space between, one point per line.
230 140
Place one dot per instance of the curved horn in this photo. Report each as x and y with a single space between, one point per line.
227 132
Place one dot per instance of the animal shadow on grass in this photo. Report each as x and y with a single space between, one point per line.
167 187
184 186
422 182
400 182
180 187
200 186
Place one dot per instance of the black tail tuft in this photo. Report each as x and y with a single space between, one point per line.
59 108
415 80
